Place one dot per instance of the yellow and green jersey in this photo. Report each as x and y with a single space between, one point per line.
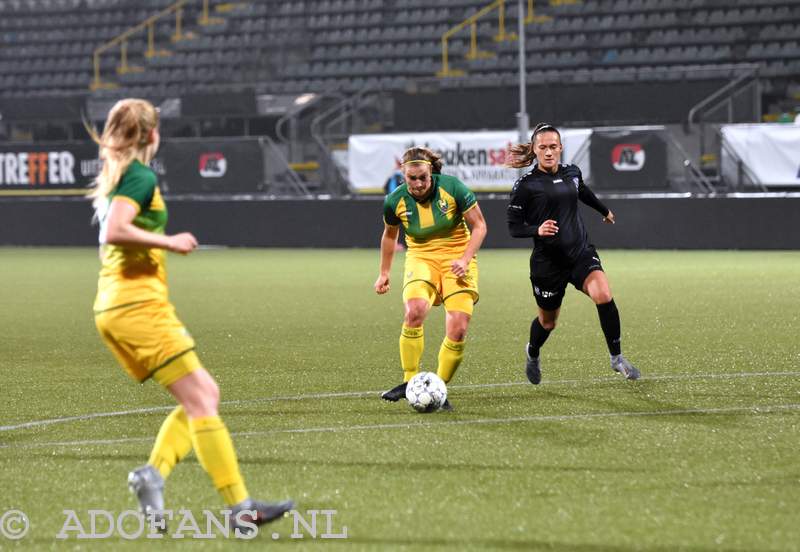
131 274
435 225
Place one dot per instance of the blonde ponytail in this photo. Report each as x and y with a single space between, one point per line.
125 137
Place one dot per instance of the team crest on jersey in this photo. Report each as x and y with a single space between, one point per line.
576 182
442 204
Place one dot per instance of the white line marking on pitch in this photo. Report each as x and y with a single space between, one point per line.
422 423
357 394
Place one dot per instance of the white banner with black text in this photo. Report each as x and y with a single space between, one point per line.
770 153
476 158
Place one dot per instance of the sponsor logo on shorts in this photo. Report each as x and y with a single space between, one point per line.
544 294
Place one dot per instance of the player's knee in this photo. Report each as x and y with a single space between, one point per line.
212 395
457 333
602 297
415 316
203 400
548 325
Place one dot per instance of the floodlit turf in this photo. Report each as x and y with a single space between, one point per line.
701 454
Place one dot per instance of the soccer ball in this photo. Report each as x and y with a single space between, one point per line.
426 392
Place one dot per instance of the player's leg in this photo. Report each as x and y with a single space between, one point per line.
172 444
595 284
460 296
421 290
198 394
418 298
412 336
150 341
132 334
541 326
548 282
451 351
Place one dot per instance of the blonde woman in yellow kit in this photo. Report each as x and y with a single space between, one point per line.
138 323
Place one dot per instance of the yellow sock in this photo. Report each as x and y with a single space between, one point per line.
412 342
214 449
173 442
450 355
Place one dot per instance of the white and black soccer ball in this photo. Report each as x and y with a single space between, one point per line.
426 392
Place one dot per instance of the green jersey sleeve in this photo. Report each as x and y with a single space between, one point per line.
389 215
139 184
465 199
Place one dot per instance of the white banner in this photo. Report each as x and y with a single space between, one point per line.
476 158
770 153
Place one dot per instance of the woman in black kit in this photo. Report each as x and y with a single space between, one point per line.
544 206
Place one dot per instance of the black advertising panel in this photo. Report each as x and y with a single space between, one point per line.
628 161
42 169
212 166
182 166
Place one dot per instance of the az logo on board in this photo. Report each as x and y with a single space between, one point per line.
628 157
213 165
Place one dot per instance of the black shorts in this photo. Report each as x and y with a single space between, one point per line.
549 277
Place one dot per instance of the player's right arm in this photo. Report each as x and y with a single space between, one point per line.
517 212
120 230
388 241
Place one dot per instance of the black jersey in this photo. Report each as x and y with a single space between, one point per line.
539 196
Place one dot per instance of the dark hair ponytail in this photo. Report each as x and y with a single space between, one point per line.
522 155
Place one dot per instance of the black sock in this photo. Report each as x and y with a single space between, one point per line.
609 321
538 336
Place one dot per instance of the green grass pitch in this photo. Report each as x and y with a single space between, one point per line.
701 454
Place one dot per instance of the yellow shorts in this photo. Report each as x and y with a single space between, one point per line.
149 341
431 278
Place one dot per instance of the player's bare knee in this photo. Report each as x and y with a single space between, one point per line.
457 333
602 297
203 400
212 395
548 325
415 316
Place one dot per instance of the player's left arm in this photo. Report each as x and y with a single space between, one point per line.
477 227
388 242
586 195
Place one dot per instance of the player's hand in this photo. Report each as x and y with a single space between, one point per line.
182 243
609 218
548 228
382 284
459 267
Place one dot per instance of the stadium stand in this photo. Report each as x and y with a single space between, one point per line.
90 52
346 45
